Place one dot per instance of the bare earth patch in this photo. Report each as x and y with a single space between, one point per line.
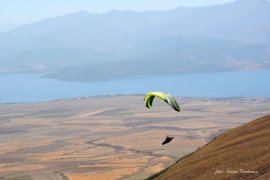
111 137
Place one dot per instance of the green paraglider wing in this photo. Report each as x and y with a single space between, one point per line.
149 97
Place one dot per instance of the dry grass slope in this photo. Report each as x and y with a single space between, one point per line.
240 153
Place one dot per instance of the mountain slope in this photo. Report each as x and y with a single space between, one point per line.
173 55
242 20
83 38
240 153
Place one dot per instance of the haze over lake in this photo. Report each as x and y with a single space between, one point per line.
32 88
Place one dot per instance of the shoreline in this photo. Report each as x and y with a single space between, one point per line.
32 88
121 95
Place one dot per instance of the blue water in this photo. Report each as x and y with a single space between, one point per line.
32 88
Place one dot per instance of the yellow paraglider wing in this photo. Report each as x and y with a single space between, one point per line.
149 97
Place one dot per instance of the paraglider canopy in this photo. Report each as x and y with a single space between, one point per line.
149 97
167 140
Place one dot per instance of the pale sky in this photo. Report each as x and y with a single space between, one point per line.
26 11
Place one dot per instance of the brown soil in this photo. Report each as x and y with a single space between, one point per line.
240 153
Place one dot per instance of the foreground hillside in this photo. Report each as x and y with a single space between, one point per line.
240 153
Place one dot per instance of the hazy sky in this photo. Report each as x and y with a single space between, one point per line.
25 11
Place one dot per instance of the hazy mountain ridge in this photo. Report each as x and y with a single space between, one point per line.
237 20
128 36
48 59
4 26
174 55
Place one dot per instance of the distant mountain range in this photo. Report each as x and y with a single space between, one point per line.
173 55
4 26
123 43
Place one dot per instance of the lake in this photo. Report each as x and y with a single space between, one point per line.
32 88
